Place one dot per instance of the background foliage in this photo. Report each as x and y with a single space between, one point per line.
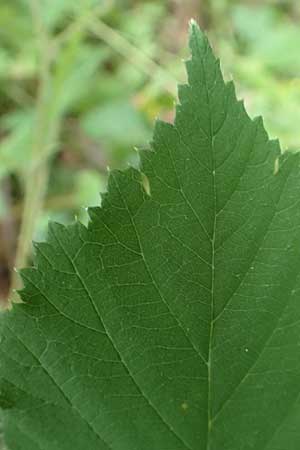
82 82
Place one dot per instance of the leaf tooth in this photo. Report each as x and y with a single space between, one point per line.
183 91
27 273
93 211
39 257
29 277
161 128
22 293
54 226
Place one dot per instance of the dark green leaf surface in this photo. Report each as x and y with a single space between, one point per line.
173 321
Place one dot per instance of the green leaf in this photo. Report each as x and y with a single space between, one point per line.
117 122
172 322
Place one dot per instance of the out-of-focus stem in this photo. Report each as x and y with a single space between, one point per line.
37 174
91 21
133 54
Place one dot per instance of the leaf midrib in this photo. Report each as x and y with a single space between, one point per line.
213 173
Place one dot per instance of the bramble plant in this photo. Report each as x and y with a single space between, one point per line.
172 321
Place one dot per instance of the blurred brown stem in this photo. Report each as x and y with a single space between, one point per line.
36 177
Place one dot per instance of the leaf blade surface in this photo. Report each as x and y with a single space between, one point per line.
172 321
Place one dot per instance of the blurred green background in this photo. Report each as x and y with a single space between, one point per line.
82 82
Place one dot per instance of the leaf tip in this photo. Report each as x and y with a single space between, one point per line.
197 38
193 26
